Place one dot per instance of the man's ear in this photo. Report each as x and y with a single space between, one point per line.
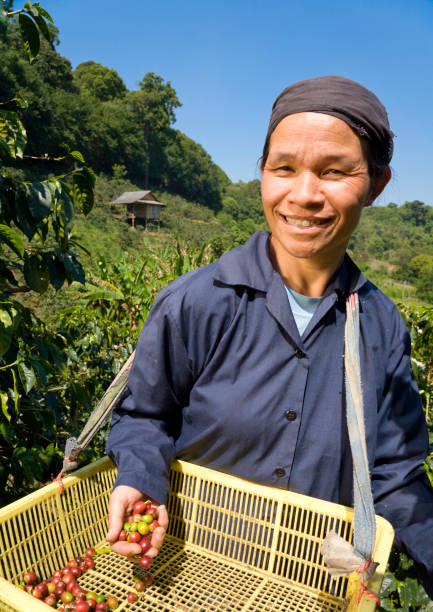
378 185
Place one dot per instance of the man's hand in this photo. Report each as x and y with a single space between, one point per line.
120 510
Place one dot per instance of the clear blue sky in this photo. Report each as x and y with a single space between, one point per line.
228 60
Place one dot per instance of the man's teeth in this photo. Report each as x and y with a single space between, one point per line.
304 222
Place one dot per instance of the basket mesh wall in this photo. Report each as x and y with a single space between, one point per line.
231 545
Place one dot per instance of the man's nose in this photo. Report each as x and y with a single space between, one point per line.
305 190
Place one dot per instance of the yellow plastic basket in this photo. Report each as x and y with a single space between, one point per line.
231 546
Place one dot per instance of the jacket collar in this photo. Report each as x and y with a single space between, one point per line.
250 266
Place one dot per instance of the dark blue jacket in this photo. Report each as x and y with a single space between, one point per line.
222 378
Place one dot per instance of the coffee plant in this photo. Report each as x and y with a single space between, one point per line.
37 251
401 589
101 328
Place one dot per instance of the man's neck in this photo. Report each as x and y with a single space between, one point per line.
308 276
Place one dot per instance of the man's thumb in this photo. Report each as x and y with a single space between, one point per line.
115 518
112 535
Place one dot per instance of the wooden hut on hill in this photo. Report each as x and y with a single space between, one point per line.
141 207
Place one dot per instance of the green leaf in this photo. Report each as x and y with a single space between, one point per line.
27 376
386 605
80 246
411 593
4 403
36 272
39 200
68 208
16 393
72 354
83 183
389 585
6 330
139 276
42 25
41 371
43 12
56 271
58 195
30 35
13 135
6 276
20 101
5 152
46 455
406 562
61 197
6 431
76 155
74 270
12 239
28 461
3 20
23 218
42 231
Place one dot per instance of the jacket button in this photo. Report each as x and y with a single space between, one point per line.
290 415
279 472
299 354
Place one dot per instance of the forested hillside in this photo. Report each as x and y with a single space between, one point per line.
90 109
128 139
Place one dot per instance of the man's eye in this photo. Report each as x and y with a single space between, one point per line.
333 171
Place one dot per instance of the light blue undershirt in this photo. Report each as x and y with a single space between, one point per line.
303 308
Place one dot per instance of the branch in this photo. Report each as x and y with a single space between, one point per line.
18 290
15 12
10 365
41 157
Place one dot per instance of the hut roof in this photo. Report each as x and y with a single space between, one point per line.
132 197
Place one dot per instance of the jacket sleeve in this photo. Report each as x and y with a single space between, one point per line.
401 489
147 421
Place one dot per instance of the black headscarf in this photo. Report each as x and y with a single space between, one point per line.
345 99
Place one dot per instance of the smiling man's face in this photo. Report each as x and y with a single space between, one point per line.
315 183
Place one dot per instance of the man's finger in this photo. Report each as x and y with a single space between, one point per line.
157 537
156 541
128 549
115 518
162 516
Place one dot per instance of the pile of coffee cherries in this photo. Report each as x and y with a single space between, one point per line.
63 590
140 529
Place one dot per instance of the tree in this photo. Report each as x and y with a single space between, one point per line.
416 212
37 250
191 172
153 108
161 99
99 82
249 201
46 84
90 109
422 268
